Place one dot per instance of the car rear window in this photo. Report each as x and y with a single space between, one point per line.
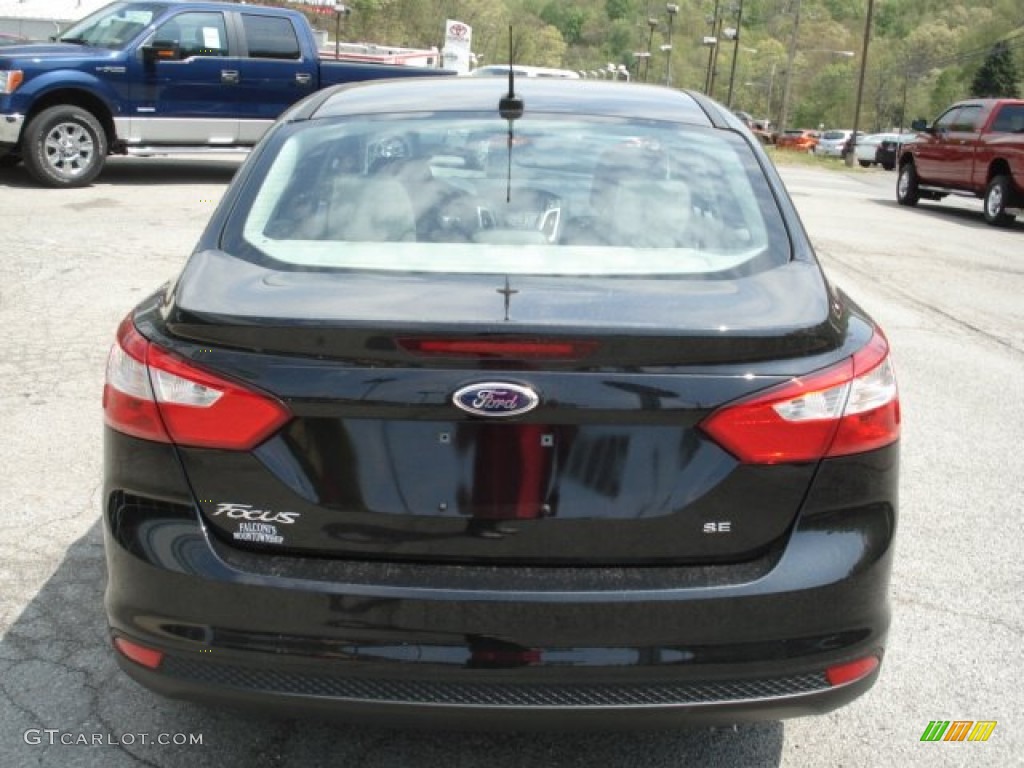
833 135
459 194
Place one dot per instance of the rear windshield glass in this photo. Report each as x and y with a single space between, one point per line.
458 194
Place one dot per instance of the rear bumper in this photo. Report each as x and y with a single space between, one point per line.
497 705
504 647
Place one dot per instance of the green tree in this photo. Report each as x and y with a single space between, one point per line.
618 9
945 90
567 19
998 75
923 52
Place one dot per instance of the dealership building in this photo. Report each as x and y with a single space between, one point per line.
41 19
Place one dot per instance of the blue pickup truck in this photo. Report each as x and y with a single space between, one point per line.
159 77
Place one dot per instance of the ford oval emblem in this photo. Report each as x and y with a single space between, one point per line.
496 398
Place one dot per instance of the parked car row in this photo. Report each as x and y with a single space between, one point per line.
830 143
871 149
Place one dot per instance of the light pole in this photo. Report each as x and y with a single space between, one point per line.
645 56
653 24
671 9
712 42
735 53
715 51
768 98
906 83
851 156
339 11
790 60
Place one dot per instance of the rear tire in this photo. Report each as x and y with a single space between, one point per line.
996 195
64 146
907 192
864 163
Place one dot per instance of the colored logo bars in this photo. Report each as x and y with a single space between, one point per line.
958 730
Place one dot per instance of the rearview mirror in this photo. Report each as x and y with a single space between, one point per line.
919 125
161 51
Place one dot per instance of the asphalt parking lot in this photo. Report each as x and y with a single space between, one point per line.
947 288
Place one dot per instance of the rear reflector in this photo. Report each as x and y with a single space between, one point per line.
851 671
509 349
851 407
140 654
155 395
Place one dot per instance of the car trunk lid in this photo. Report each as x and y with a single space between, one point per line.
609 467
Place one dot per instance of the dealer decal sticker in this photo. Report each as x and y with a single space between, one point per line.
260 533
259 526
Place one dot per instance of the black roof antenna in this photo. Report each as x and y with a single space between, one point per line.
511 108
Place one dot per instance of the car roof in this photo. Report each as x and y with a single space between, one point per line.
481 94
985 102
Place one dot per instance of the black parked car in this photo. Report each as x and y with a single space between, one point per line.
539 412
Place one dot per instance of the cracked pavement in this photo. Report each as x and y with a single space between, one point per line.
946 287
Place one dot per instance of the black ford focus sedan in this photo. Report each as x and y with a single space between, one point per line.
527 407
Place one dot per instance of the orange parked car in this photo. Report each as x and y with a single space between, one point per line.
800 140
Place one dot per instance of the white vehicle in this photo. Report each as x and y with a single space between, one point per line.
522 70
831 143
867 148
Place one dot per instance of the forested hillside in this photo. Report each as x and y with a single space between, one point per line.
923 53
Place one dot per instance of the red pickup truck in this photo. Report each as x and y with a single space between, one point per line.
975 148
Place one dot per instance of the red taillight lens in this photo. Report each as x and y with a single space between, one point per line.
155 395
140 654
508 349
848 408
851 671
128 402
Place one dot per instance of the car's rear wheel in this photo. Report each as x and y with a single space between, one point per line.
864 163
996 195
64 146
907 192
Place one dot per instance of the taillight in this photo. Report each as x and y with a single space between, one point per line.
848 408
155 395
507 349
